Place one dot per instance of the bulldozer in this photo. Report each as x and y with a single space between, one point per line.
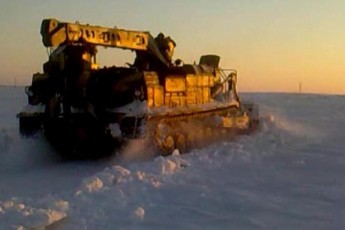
86 110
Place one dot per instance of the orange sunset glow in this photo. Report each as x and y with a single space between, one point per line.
276 46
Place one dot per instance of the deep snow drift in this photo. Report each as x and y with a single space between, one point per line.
287 176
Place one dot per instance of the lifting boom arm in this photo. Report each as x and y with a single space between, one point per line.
55 33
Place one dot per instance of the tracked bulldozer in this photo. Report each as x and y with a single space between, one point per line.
86 110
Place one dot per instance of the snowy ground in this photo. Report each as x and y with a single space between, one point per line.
287 176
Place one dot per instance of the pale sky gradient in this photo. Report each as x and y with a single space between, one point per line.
274 44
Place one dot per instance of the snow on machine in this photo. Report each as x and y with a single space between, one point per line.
86 110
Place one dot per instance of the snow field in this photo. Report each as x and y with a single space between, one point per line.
286 176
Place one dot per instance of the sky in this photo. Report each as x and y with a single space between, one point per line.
275 45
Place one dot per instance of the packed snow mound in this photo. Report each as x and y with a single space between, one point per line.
93 184
149 173
140 213
131 186
15 214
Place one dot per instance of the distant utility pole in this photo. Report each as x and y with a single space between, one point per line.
300 87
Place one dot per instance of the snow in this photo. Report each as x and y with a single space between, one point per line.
139 108
288 175
17 215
